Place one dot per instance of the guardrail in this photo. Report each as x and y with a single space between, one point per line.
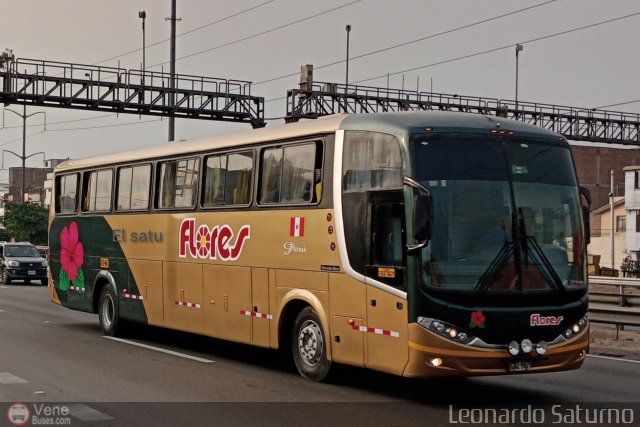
614 300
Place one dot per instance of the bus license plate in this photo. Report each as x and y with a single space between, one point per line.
31 272
519 366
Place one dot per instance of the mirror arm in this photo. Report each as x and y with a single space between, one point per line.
415 184
413 248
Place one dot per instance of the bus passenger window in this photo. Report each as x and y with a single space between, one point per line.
178 183
96 192
133 187
67 194
271 175
290 174
228 180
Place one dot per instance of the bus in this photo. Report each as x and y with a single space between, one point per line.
415 243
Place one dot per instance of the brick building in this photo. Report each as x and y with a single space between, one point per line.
594 166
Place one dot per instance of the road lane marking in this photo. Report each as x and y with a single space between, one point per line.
4 287
1 311
619 359
7 378
162 350
87 413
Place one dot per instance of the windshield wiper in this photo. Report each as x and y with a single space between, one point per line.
500 260
555 281
519 249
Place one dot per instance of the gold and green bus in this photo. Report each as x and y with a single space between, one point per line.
415 243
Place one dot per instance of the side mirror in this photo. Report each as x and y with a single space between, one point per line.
584 192
422 217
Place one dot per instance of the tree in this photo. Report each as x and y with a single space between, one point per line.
26 222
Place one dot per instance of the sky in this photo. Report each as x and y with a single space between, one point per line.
430 45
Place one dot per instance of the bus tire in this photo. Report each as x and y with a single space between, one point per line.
308 346
108 315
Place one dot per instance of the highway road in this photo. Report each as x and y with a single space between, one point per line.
52 357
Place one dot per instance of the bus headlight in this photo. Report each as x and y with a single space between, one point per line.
541 347
576 328
526 346
444 329
514 348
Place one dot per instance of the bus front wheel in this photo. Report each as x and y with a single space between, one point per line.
108 310
308 346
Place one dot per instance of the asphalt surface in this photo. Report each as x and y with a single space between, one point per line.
52 355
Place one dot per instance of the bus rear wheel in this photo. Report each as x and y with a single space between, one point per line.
108 310
308 346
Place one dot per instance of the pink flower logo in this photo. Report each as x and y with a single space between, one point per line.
71 251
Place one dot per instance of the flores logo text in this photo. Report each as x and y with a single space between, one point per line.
537 320
216 242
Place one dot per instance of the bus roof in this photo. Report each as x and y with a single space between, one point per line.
398 123
323 125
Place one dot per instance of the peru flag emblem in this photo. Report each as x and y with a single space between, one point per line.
296 227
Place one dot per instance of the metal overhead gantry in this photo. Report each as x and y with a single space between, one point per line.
315 99
89 87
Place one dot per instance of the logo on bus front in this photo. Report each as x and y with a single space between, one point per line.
538 320
216 242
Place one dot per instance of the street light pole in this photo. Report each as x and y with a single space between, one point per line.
143 15
172 71
519 48
347 78
24 156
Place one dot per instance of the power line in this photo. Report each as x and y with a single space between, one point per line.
20 139
187 32
615 105
537 39
260 33
105 126
470 56
64 121
453 59
463 27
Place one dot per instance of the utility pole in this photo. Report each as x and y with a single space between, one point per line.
143 15
613 220
519 48
172 71
24 156
346 81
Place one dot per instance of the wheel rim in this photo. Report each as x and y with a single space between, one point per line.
310 343
108 311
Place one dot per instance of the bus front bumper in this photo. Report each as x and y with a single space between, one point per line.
433 356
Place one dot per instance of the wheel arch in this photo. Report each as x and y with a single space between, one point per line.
102 278
293 303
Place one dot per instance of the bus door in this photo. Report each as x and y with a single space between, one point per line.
386 261
375 237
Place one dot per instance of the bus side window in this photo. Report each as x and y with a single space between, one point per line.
227 179
178 183
67 194
96 190
291 174
133 187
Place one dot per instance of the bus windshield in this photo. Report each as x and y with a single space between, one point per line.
506 214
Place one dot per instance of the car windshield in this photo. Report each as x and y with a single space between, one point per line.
21 251
505 213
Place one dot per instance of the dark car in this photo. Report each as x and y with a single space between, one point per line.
22 261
